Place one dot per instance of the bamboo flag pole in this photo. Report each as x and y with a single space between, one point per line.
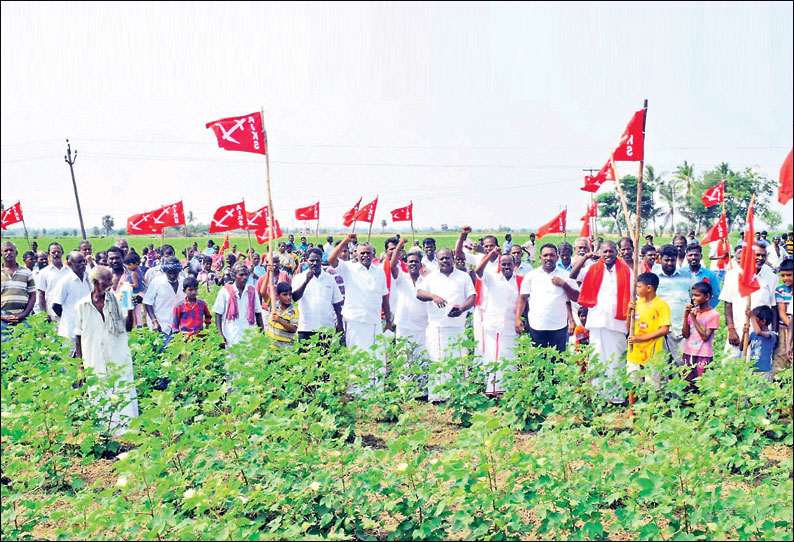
565 229
247 231
270 213
369 233
727 241
746 329
633 313
621 194
25 227
317 231
413 234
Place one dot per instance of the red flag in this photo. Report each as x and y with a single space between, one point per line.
229 217
631 145
606 173
240 133
714 195
168 215
784 184
555 225
225 245
347 218
12 215
142 224
585 229
403 213
748 280
257 219
718 231
592 211
367 213
312 212
263 235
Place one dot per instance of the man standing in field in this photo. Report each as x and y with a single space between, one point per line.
529 246
50 277
88 253
675 287
318 297
429 261
448 294
584 257
41 264
521 267
18 291
606 291
70 290
123 245
161 297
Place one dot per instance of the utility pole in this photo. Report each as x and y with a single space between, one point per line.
71 162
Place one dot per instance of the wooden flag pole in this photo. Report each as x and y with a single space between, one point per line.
632 312
413 234
317 232
622 195
26 233
727 241
369 233
184 226
594 218
247 231
270 213
746 329
565 229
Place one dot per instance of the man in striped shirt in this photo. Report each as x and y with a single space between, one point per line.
18 290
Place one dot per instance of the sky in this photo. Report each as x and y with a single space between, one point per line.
480 114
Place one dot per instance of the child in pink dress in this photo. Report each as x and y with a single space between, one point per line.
700 321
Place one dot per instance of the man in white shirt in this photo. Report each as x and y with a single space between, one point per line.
366 295
88 253
69 291
498 319
329 245
41 265
429 261
735 304
50 277
238 308
549 291
162 295
584 257
521 267
529 246
450 294
318 297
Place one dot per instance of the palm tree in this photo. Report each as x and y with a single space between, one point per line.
668 191
107 223
656 182
686 173
383 224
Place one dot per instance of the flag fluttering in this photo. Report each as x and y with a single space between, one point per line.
785 191
592 211
403 213
631 147
12 215
585 232
748 280
142 224
367 213
229 217
606 173
169 215
555 225
263 235
225 245
718 231
257 219
714 195
312 212
349 216
240 133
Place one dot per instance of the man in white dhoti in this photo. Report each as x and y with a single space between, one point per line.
450 293
100 329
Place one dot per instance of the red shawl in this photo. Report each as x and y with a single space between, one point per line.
387 271
592 284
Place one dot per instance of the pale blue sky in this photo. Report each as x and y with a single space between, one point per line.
480 113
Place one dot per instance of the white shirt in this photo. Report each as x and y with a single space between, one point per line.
523 269
474 259
37 279
429 266
531 248
764 296
233 330
316 305
409 312
455 289
603 314
69 291
547 310
364 291
327 248
48 280
161 296
499 313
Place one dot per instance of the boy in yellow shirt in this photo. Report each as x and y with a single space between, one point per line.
651 324
283 322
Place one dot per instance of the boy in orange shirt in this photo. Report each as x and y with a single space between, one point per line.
651 324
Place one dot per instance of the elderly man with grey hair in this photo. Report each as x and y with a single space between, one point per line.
100 329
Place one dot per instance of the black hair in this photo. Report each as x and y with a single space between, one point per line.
417 254
54 243
704 288
391 240
646 249
282 287
114 248
630 241
100 253
132 258
314 251
785 265
167 248
189 282
29 254
668 250
549 245
495 240
694 246
679 236
582 311
764 313
428 240
649 279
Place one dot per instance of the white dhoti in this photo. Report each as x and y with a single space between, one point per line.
610 348
479 333
500 346
440 344
363 335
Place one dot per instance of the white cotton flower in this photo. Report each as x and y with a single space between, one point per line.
114 397
122 481
314 486
251 379
122 456
434 461
190 493
243 499
711 526
402 467
722 386
166 364
542 461
765 421
488 442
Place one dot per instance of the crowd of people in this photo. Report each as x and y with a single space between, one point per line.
562 296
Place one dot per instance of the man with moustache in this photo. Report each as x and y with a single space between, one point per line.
521 267
565 251
318 297
161 297
70 290
18 289
585 257
50 277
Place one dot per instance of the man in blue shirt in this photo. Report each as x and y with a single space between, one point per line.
674 289
694 255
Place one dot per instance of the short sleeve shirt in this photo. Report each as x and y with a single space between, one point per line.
649 318
675 290
761 349
500 311
233 330
162 297
316 305
763 296
695 345
16 289
69 291
455 289
365 289
547 310
409 312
